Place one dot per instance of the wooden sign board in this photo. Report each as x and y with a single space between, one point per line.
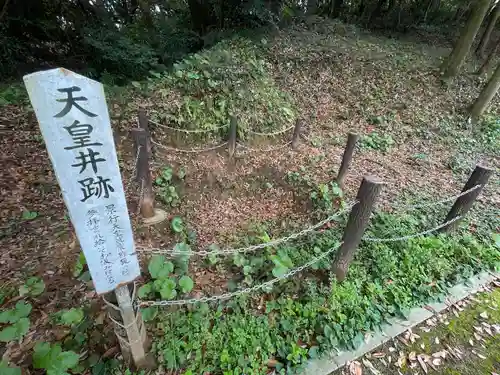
73 116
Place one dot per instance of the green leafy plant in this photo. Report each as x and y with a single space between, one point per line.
71 317
166 190
29 215
53 359
186 284
5 369
33 287
177 225
80 264
164 281
19 322
282 263
327 196
377 141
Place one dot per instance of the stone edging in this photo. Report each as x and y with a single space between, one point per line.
335 360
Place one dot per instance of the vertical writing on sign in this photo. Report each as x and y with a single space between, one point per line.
73 117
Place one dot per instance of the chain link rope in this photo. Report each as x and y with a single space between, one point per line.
134 169
408 237
230 295
249 248
194 151
188 131
445 200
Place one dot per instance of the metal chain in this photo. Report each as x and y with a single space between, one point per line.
134 170
270 134
450 199
229 295
187 130
264 149
187 151
249 248
141 197
404 238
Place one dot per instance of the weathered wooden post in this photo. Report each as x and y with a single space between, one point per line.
144 175
144 124
464 203
149 213
352 139
359 218
73 116
233 132
296 133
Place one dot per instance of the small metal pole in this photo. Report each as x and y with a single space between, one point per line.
132 326
143 124
464 203
352 139
296 133
359 218
233 131
144 176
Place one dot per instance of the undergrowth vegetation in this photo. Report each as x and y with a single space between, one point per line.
307 315
231 78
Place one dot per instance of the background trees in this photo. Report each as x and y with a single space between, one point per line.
115 40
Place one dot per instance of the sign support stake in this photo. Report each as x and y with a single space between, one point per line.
132 324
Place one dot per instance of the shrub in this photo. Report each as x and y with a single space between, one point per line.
206 88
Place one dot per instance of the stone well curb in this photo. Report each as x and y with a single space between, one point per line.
335 360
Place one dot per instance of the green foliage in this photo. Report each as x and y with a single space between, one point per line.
377 141
21 310
159 268
12 94
384 280
53 359
228 79
80 264
164 281
29 215
71 317
177 225
5 369
186 284
166 190
33 287
327 196
19 323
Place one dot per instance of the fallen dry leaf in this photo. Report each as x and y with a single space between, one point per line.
484 315
378 355
412 356
437 361
421 361
355 368
370 367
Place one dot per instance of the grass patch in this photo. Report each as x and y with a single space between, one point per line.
312 313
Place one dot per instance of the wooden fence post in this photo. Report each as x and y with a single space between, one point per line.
143 124
144 174
464 203
133 325
352 139
296 133
359 218
233 131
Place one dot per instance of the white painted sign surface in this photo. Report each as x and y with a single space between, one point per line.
73 117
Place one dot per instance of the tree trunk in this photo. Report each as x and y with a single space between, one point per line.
312 7
377 11
452 65
487 64
337 8
481 48
486 95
